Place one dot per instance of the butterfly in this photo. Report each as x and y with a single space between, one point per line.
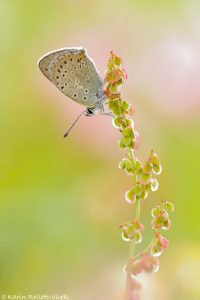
74 73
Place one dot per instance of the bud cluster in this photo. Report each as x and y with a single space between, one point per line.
160 215
143 182
146 263
132 230
143 176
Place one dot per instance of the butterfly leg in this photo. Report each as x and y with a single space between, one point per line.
102 112
101 107
107 114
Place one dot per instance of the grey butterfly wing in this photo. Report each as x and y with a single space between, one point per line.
73 73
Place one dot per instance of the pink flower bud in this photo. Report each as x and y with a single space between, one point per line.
164 242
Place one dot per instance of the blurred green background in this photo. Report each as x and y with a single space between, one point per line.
62 200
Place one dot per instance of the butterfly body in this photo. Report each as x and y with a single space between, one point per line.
75 75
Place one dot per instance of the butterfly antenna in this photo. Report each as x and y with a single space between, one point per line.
74 123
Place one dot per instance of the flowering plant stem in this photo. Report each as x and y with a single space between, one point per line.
143 182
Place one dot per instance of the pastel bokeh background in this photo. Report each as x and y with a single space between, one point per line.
62 200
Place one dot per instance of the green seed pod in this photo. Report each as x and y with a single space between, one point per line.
138 189
156 249
116 110
166 224
122 164
117 122
120 81
148 187
129 132
130 196
121 145
128 166
137 237
146 177
169 206
111 103
143 195
129 122
117 61
155 160
125 105
126 140
131 145
130 230
113 88
154 185
155 211
110 77
147 167
125 237
157 169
